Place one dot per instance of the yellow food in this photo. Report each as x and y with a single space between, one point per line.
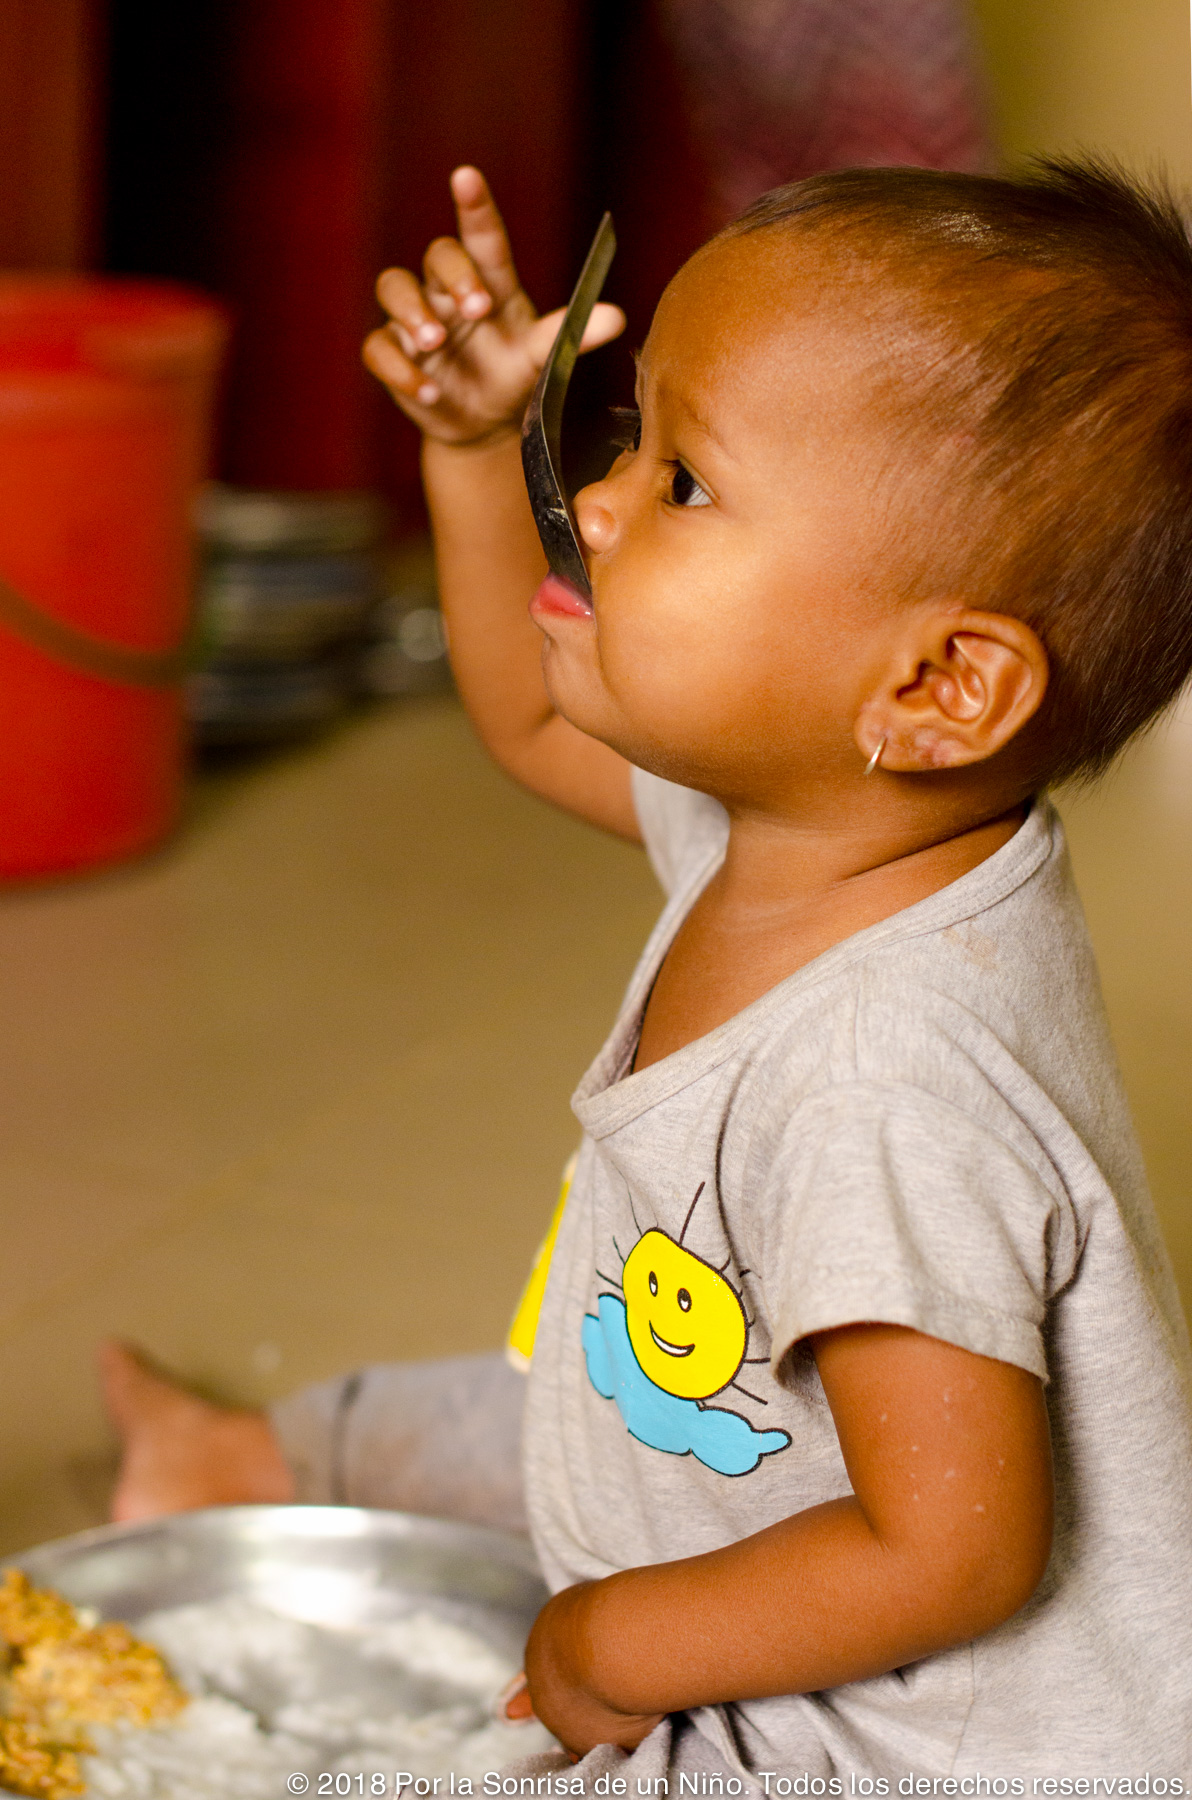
31 1764
59 1676
30 1615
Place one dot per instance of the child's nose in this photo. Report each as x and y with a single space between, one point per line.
595 518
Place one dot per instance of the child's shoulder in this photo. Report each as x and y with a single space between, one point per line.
977 1010
994 972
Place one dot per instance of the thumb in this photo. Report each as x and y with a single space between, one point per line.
606 323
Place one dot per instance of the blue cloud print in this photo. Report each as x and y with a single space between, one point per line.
720 1439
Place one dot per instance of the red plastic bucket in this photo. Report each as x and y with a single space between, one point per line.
105 391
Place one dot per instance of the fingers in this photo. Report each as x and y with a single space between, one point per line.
403 299
401 375
450 272
453 291
464 282
514 1701
460 350
482 233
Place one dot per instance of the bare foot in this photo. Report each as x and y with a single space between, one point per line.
181 1452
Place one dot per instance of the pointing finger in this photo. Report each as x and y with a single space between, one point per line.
482 232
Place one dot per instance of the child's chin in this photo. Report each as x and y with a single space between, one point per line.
574 692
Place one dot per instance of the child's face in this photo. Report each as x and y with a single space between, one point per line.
736 557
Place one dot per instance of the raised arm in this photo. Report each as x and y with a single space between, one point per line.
460 355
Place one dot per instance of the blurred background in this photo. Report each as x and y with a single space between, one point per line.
284 1064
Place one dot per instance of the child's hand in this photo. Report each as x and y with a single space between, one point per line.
464 346
559 1683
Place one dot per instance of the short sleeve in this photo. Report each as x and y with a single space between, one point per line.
888 1204
679 827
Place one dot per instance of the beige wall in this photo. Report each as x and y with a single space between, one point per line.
1104 74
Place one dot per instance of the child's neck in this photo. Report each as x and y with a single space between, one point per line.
783 896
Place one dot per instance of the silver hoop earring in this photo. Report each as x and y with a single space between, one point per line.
876 758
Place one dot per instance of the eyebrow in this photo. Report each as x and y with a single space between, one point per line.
702 424
696 417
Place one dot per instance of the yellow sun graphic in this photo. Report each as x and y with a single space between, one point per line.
686 1324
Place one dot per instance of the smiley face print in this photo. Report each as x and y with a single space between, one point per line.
676 1334
686 1323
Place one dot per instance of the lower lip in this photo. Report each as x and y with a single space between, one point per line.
560 600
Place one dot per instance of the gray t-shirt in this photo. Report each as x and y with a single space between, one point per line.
924 1126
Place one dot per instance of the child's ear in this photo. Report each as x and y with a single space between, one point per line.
957 688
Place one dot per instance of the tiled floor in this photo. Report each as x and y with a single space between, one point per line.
294 1093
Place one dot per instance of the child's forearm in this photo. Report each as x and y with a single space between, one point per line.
490 563
811 1603
946 1535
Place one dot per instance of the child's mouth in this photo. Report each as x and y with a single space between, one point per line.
561 599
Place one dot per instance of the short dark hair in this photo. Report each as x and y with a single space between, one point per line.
1062 300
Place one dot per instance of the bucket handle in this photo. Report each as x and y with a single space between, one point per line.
118 663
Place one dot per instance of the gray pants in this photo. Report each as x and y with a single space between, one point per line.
442 1438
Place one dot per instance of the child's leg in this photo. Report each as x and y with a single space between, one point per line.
442 1438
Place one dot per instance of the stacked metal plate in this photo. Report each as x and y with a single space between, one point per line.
406 648
287 584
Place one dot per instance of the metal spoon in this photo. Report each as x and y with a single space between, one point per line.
542 459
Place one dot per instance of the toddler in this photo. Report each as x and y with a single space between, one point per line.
857 1435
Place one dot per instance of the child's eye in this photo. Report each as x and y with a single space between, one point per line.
686 490
629 427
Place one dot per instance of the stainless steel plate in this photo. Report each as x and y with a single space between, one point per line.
325 1565
335 1700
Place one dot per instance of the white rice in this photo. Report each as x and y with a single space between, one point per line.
275 1697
